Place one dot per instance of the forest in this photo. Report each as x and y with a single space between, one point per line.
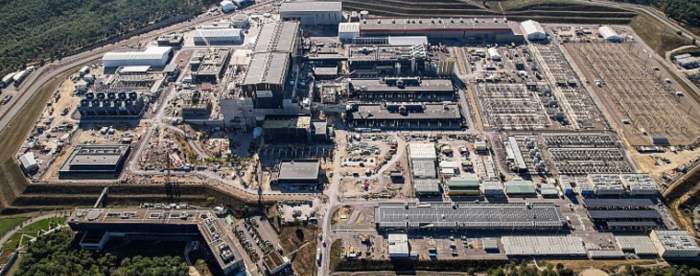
685 11
58 254
39 30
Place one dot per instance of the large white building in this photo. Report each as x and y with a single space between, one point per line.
227 6
313 13
609 34
674 244
348 30
533 30
153 56
218 36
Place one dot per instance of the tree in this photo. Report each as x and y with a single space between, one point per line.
211 201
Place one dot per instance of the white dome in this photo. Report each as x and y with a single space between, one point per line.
227 6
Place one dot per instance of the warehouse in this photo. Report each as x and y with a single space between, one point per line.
426 187
533 30
94 161
674 244
607 184
393 60
491 29
609 34
218 36
640 184
638 245
312 13
519 188
290 129
282 37
402 90
421 116
492 188
468 216
463 186
7 80
398 246
153 56
628 220
111 104
348 31
517 161
544 246
266 79
28 163
297 173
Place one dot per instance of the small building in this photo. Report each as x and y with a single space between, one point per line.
674 244
347 31
480 146
274 262
492 188
298 173
533 30
95 161
28 163
424 151
426 187
463 186
7 80
640 184
240 20
243 3
398 246
520 188
289 129
153 56
312 12
609 34
218 36
493 54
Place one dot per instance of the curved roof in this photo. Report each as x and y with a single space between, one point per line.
532 27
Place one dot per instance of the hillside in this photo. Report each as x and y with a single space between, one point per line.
33 30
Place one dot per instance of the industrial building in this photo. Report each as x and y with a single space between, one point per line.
209 66
170 40
153 56
299 173
290 129
275 263
227 6
111 104
514 156
674 244
282 37
398 246
463 186
229 36
492 188
402 90
243 3
468 216
426 186
544 246
520 188
266 79
94 161
387 60
348 31
492 29
618 203
609 34
97 226
424 169
194 105
637 245
687 61
533 30
404 115
312 13
607 184
640 184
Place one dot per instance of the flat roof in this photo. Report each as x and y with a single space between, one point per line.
277 37
267 68
299 170
95 155
641 245
463 182
617 202
140 215
435 24
422 151
543 246
233 33
423 168
519 187
677 240
426 111
302 122
624 214
469 215
311 6
135 69
426 185
409 85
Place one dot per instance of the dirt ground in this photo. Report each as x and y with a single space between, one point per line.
304 262
647 164
343 211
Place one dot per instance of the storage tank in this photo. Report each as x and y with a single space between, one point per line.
240 20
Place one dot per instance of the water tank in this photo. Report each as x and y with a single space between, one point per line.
133 96
240 20
117 102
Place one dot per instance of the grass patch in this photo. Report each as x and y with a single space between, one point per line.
335 254
292 238
32 230
6 224
658 36
553 5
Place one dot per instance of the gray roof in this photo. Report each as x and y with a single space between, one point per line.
423 168
299 170
470 215
624 214
277 37
375 85
543 246
28 161
311 6
407 40
217 33
617 202
427 185
267 68
422 111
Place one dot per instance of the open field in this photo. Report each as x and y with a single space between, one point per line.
8 223
658 36
304 261
31 231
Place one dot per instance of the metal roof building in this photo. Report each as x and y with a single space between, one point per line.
598 215
426 186
519 188
639 245
673 244
492 188
398 246
312 12
467 185
497 29
227 6
414 216
543 246
218 36
422 151
533 30
609 34
348 30
89 161
153 56
278 37
607 184
640 184
28 162
423 169
306 171
617 203
266 78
